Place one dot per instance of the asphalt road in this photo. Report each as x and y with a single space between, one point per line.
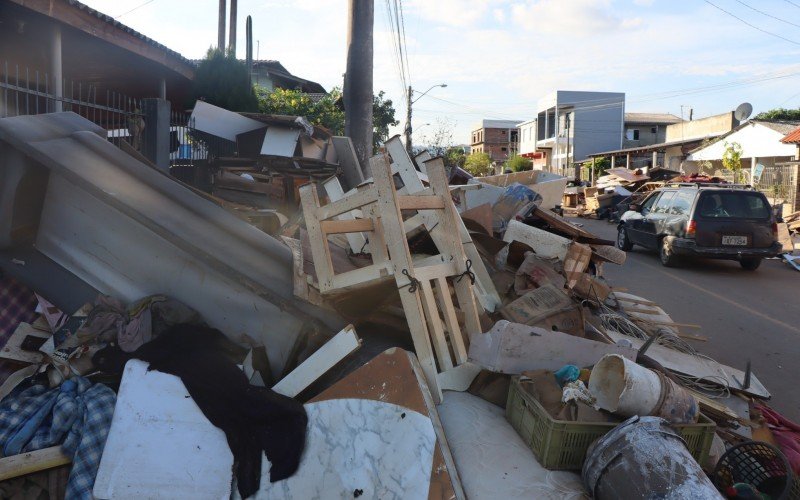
744 314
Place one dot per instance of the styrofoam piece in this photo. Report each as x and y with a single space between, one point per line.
221 122
359 448
545 244
552 192
493 461
280 141
160 444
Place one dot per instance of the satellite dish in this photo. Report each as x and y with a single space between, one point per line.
743 111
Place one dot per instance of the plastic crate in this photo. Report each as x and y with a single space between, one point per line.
562 445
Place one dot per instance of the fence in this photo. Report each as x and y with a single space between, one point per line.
26 92
780 184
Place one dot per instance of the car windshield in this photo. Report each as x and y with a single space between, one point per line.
733 205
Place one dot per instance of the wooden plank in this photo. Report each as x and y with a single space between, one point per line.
445 301
348 204
33 461
358 243
485 289
442 270
435 327
399 253
359 276
346 226
636 301
410 202
326 357
323 265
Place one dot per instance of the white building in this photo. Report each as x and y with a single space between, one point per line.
760 142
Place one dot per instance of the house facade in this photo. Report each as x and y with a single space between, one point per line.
644 129
497 138
571 125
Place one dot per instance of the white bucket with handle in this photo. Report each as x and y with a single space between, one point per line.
623 387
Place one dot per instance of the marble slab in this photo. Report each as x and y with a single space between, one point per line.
360 448
160 444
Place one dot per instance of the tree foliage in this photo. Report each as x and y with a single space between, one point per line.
382 118
518 163
455 157
326 112
479 164
323 112
220 79
732 158
779 114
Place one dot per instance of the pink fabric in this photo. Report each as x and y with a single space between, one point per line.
786 434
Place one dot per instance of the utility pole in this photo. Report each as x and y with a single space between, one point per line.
358 95
221 26
232 29
408 121
249 49
410 102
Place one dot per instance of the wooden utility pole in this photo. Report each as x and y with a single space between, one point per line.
358 79
221 26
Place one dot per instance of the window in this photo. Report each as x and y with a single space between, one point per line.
653 130
503 132
663 202
648 204
503 149
632 134
683 203
733 205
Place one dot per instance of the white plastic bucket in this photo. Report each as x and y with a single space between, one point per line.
623 387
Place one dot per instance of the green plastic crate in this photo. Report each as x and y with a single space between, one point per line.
562 445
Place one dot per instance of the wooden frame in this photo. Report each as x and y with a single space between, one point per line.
424 287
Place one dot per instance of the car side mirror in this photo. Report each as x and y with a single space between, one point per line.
635 207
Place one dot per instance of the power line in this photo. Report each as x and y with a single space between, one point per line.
752 25
768 15
137 7
405 42
792 3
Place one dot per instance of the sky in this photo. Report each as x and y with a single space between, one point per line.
498 57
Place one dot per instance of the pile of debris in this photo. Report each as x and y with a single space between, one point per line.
387 342
614 192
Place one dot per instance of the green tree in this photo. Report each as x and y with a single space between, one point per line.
518 163
326 112
478 164
779 114
220 79
382 118
732 159
455 157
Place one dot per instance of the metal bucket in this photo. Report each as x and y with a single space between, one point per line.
644 458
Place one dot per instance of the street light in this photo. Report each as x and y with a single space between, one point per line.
409 102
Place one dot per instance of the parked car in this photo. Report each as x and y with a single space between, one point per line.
719 221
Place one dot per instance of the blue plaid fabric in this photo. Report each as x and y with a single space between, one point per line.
77 414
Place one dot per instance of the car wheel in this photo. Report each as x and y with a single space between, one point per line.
623 242
666 254
750 264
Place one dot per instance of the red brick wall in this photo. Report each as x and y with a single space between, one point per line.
494 140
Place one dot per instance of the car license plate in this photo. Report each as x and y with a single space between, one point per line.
737 241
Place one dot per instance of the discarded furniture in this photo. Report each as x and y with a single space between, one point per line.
424 288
